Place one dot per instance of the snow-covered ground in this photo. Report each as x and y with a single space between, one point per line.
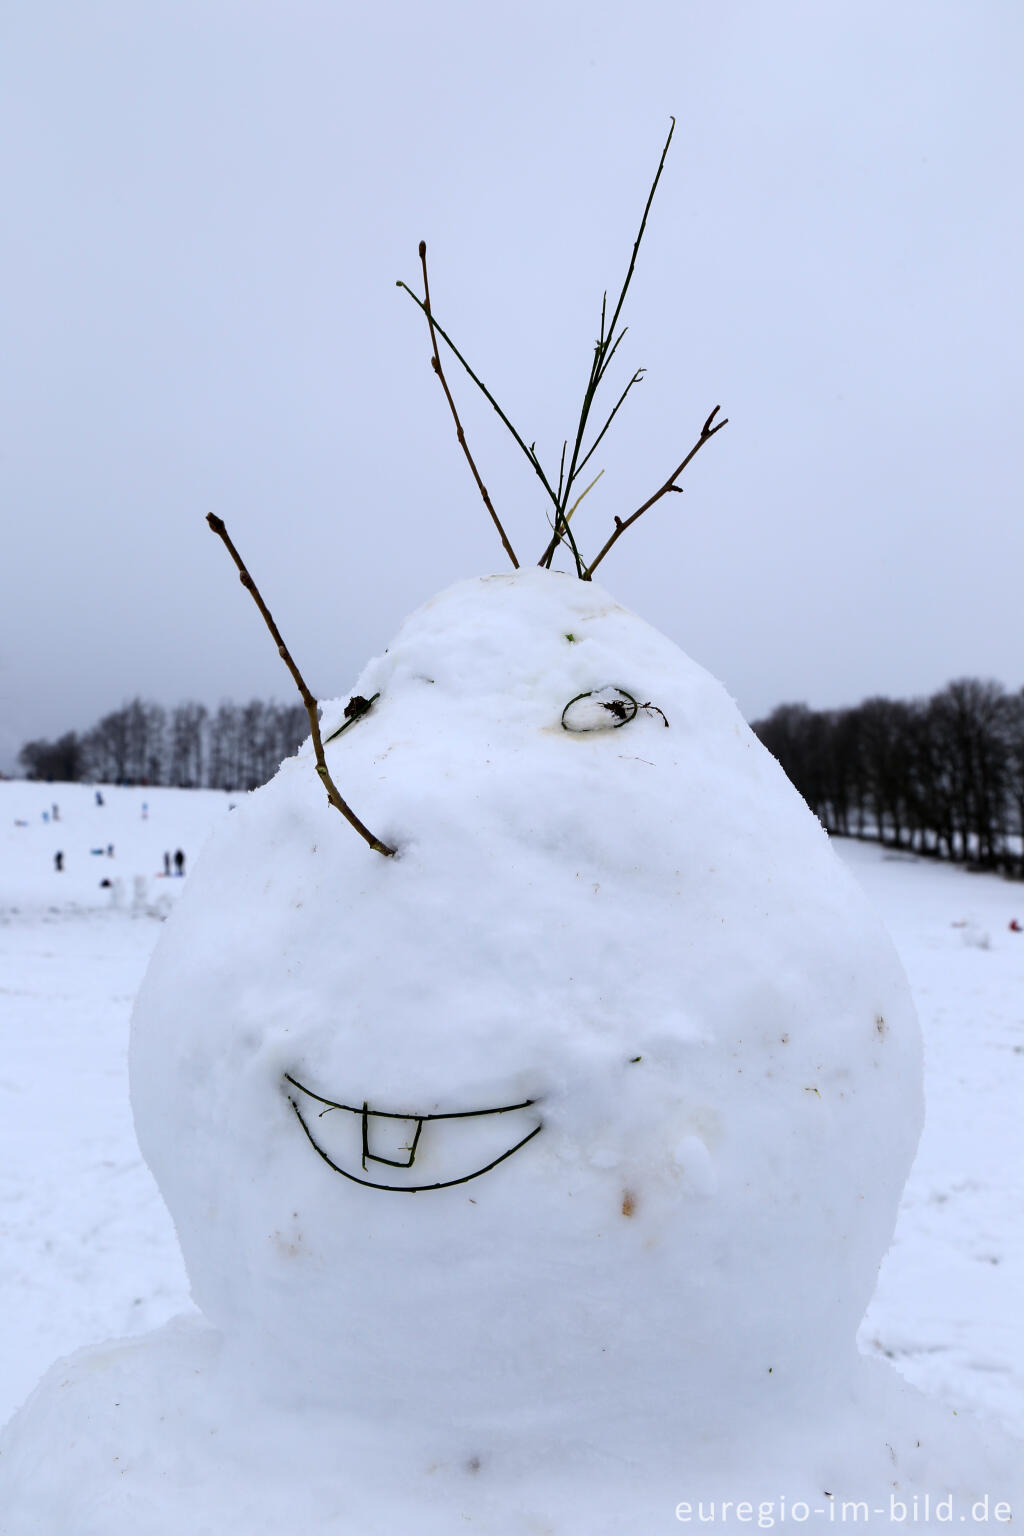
948 1305
87 1249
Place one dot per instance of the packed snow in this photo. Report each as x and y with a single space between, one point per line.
630 1061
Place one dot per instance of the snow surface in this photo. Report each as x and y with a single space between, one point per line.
87 1249
377 1324
121 842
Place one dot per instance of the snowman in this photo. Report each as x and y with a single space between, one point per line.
532 1165
532 1179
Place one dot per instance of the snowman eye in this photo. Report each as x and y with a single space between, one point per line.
599 709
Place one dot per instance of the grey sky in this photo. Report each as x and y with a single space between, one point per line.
207 203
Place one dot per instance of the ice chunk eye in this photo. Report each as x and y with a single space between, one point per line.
600 709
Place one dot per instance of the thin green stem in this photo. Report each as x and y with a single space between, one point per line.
643 226
608 355
621 400
579 498
548 555
606 348
567 518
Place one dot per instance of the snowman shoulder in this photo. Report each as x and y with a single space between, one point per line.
85 1454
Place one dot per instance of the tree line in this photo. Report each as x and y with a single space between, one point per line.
235 747
942 776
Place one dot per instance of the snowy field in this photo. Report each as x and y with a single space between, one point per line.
88 1251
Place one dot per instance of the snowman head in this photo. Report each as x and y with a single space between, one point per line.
608 1073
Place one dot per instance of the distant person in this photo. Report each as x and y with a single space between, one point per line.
145 811
99 798
55 812
167 863
179 862
58 862
46 815
110 850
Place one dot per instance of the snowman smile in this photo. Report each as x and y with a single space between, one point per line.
357 1135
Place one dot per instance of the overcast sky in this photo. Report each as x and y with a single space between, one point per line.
206 204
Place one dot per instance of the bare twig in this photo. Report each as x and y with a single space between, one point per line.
529 449
482 387
435 363
530 452
621 524
577 451
217 524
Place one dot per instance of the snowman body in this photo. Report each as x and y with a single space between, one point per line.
540 1173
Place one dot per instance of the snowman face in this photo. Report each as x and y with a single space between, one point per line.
355 1140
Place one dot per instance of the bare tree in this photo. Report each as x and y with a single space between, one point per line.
225 756
1014 718
106 748
967 737
187 743
884 750
59 760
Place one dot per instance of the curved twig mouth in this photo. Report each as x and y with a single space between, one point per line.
360 1136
